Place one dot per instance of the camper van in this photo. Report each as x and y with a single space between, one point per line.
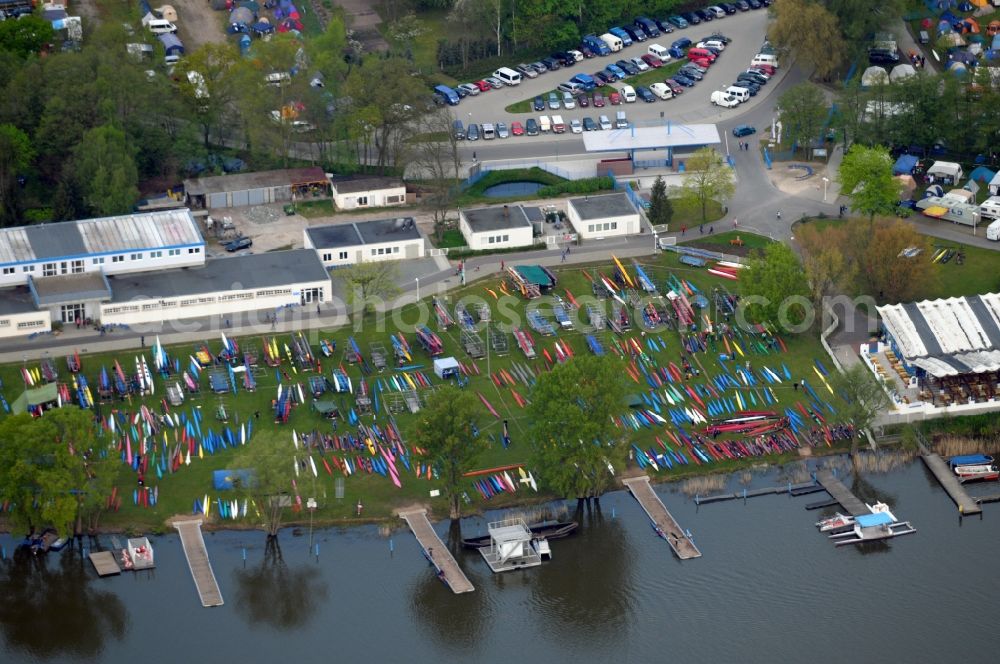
990 208
658 51
764 59
613 42
508 76
993 231
544 124
159 26
558 126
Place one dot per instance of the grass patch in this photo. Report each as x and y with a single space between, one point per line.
310 21
313 209
450 239
688 213
722 240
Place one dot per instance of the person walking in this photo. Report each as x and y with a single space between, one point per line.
683 230
736 223
142 341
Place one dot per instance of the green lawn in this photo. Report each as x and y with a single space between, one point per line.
722 240
177 490
689 213
451 238
313 209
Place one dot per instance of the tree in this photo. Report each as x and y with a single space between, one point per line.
866 178
26 35
803 109
16 154
707 177
369 284
574 442
444 433
104 167
435 160
208 80
859 20
661 210
827 267
272 469
773 289
866 398
882 268
811 33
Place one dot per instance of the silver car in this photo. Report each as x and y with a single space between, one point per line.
470 89
604 122
527 70
502 131
494 82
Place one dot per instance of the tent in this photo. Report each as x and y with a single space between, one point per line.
899 72
326 409
957 68
874 76
171 43
934 190
35 400
241 16
966 58
904 165
981 174
446 367
167 12
907 184
952 39
965 6
993 28
946 172
943 27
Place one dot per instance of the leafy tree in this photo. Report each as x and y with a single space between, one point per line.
208 82
865 396
104 167
882 269
271 463
707 177
827 268
811 33
25 36
435 160
803 109
661 210
369 284
866 179
773 289
573 438
858 20
16 154
444 433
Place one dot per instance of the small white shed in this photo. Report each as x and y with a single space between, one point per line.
445 367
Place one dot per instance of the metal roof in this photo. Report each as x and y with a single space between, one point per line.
78 239
651 138
947 337
70 288
365 183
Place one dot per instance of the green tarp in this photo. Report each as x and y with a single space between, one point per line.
534 274
35 397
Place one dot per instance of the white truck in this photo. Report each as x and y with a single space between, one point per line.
724 99
614 43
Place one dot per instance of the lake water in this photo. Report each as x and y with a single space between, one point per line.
769 588
508 189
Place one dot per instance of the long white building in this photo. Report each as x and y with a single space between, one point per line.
349 243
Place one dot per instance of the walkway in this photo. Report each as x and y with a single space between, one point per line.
841 493
436 552
949 482
665 524
198 562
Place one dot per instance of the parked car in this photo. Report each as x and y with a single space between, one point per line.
750 86
695 66
483 86
629 68
661 90
582 101
755 4
683 80
472 133
636 33
718 36
759 72
495 82
727 7
767 69
743 5
705 15
516 128
575 126
744 130
614 98
755 76
554 103
239 244
604 122
617 71
531 127
678 21
502 130
691 18
602 78
568 101
664 25
640 64
462 92
589 124
527 70
692 73
645 94
539 104
598 100
586 51
578 56
674 86
652 61
551 63
539 67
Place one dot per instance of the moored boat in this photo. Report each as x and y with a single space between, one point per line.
546 530
838 520
971 467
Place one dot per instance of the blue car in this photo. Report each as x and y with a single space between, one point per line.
610 73
683 80
676 53
683 42
617 71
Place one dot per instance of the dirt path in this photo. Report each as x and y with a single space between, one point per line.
364 21
198 24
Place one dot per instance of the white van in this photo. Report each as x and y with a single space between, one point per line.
628 94
659 51
544 123
508 76
489 131
990 208
159 26
724 99
621 122
712 43
614 43
764 59
741 94
558 126
278 78
993 231
661 90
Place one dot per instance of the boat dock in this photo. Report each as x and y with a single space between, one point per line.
949 482
105 564
198 562
436 552
840 493
791 489
665 524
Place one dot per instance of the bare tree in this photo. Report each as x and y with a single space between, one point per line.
434 159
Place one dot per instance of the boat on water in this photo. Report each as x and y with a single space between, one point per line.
138 554
871 527
972 467
546 530
838 520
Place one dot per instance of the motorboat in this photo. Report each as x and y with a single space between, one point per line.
838 520
546 530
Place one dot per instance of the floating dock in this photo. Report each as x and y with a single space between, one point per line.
790 489
436 552
842 494
105 564
198 562
950 483
664 523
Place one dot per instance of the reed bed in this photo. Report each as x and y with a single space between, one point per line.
949 446
704 485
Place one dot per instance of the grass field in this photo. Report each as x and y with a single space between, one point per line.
722 241
179 489
451 238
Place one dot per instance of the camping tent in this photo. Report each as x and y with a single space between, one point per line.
241 16
904 165
957 68
969 25
966 58
907 184
446 367
899 72
993 28
946 172
874 76
951 39
171 43
167 12
981 174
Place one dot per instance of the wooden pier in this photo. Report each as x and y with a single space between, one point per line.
665 524
436 552
949 481
198 562
790 489
105 564
841 493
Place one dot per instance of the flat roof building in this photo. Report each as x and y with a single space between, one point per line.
607 215
499 227
352 193
364 241
258 188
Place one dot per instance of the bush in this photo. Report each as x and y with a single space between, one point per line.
38 215
585 186
466 253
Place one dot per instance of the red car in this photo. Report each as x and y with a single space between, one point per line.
674 86
598 100
701 62
652 61
483 86
767 69
614 98
516 129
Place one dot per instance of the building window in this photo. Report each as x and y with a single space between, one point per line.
506 238
327 257
614 225
98 261
395 250
5 322
136 257
9 270
343 255
491 239
28 268
590 228
373 252
118 259
30 323
194 250
77 266
174 252
48 269
156 254
394 199
362 200
189 302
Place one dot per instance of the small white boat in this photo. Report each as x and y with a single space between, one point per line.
982 471
839 520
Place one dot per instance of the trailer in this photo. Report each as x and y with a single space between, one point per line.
619 320
378 355
498 340
175 395
595 317
473 344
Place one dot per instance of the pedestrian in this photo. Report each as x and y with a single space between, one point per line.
317 310
701 229
142 341
563 256
474 156
360 507
227 322
430 551
683 230
501 266
736 223
779 214
795 387
256 414
711 229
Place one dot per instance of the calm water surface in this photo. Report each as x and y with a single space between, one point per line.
769 588
513 189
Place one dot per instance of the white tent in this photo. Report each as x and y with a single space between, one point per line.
947 172
899 72
874 76
445 367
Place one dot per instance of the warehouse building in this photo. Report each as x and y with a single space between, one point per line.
609 215
342 244
496 227
241 189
